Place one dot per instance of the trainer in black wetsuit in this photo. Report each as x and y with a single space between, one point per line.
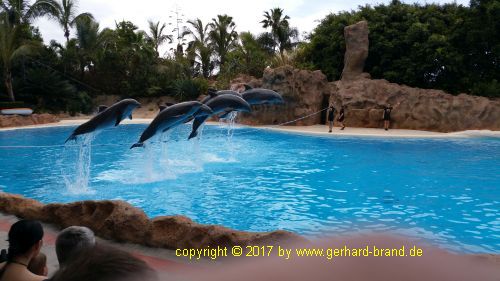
331 117
387 116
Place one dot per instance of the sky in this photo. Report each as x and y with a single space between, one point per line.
304 14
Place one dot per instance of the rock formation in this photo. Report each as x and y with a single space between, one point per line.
34 119
120 221
304 93
356 40
364 98
418 109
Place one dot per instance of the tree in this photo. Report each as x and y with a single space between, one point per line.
449 47
280 29
20 12
158 37
66 16
222 36
250 55
88 43
201 45
11 49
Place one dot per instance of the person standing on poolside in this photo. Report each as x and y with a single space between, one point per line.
331 117
387 115
341 117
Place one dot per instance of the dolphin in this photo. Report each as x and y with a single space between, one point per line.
223 103
256 96
212 93
107 117
171 117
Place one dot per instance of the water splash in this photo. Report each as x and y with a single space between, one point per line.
154 163
77 176
230 124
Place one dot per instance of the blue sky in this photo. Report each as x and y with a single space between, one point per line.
247 14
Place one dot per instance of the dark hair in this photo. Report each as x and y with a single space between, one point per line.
105 263
23 235
71 241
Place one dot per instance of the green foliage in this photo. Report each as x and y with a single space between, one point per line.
15 104
487 89
66 15
248 58
449 47
222 36
158 36
190 89
201 47
48 91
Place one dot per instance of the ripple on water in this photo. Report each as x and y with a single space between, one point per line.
444 191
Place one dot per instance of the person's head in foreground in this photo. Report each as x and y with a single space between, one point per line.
25 241
104 263
71 241
38 265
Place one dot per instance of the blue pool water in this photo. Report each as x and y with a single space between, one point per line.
443 190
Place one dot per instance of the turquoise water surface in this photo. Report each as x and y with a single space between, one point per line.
446 191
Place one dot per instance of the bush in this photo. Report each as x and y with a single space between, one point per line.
488 89
9 104
48 91
190 89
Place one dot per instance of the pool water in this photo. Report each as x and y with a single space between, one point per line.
446 191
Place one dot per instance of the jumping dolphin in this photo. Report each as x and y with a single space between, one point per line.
171 117
223 103
107 117
212 93
255 96
258 96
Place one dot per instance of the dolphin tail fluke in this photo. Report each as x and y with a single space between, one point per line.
72 137
193 134
139 144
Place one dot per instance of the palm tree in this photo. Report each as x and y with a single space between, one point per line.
11 49
20 12
201 45
279 26
66 16
222 36
90 42
157 36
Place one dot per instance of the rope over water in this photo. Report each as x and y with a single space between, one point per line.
122 144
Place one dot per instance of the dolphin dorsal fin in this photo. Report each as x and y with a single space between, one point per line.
212 92
247 87
162 107
167 104
101 108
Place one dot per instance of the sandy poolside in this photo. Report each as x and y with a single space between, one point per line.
308 130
